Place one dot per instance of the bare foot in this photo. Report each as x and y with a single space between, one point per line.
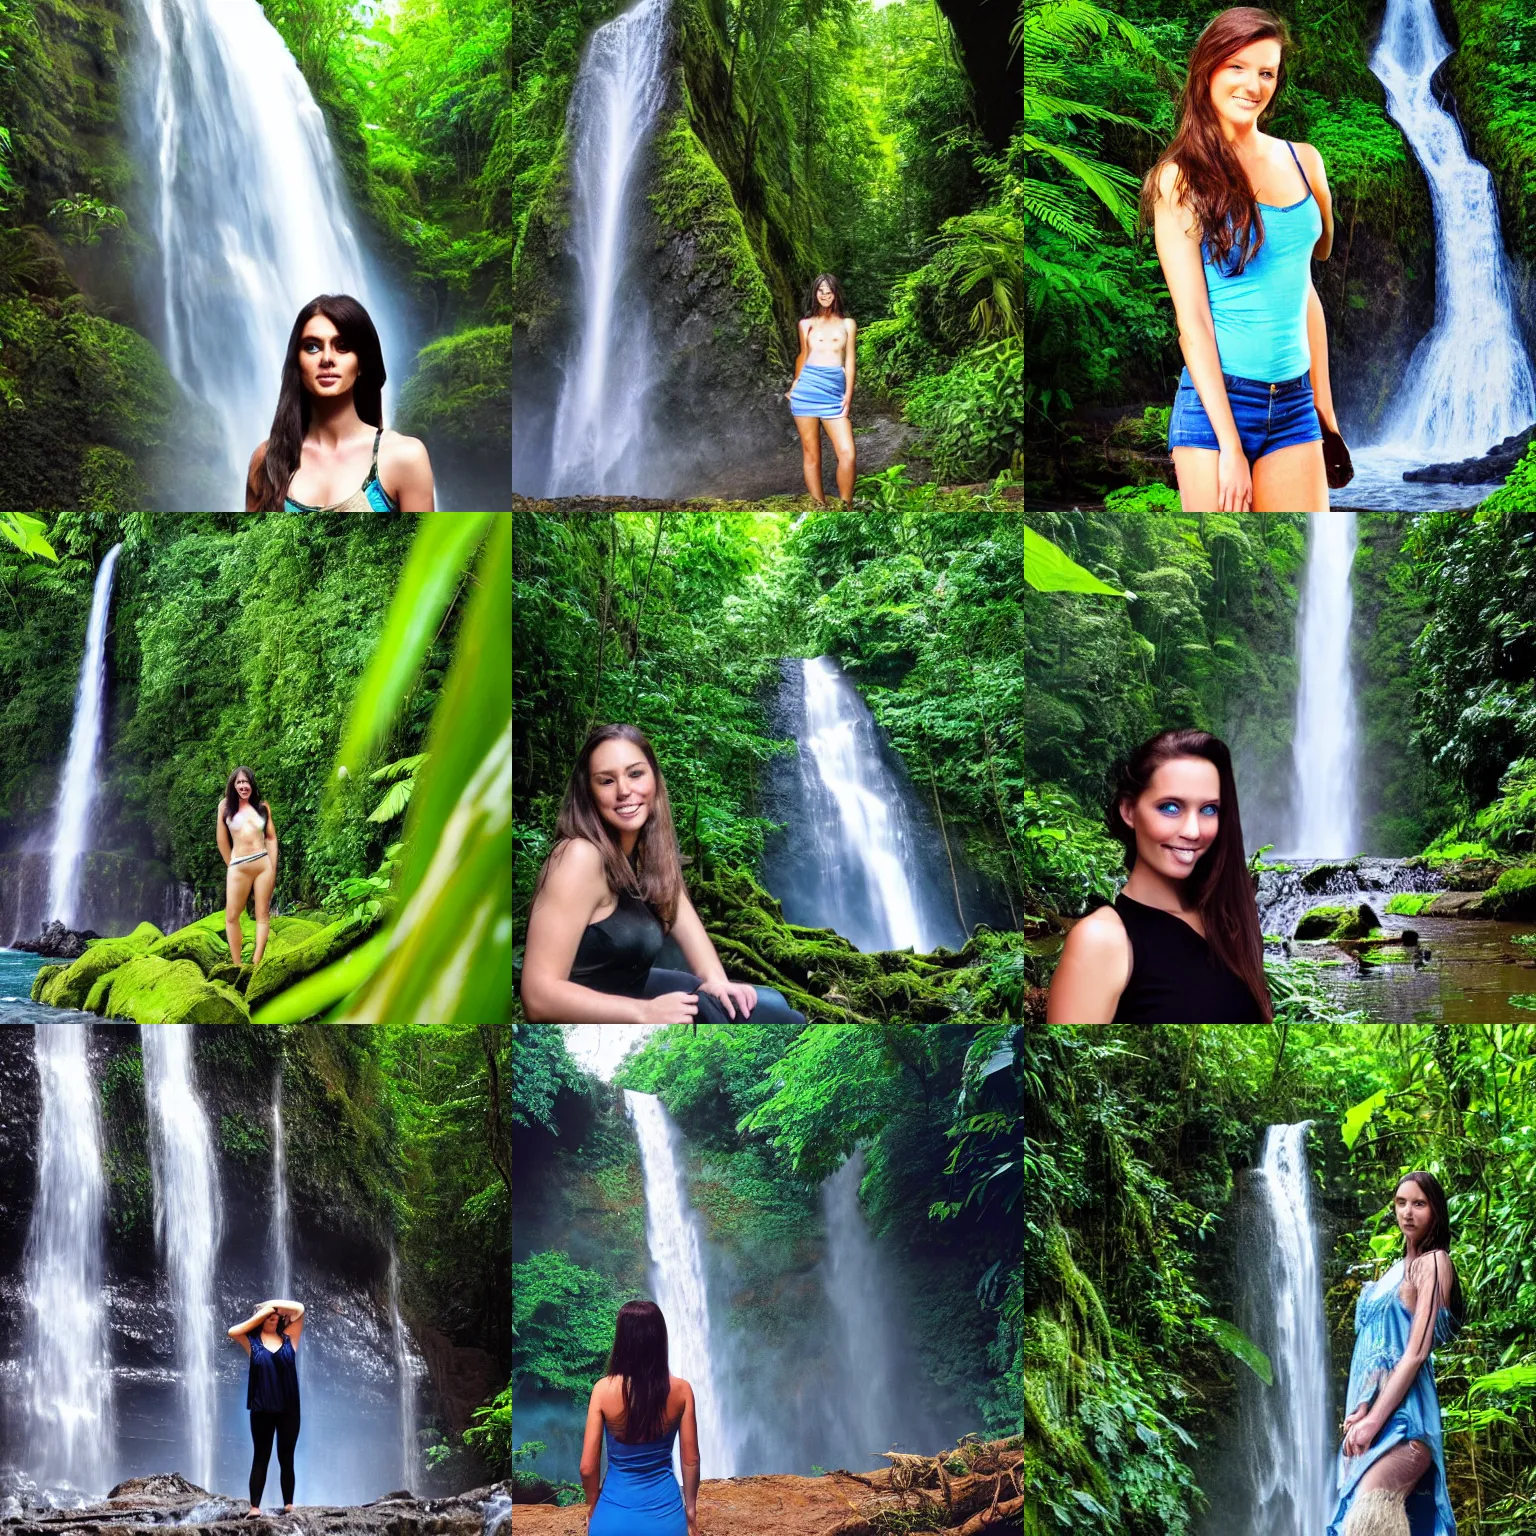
251 1512
287 1509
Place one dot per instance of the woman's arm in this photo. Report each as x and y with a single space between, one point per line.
592 1452
1093 971
850 357
698 949
800 357
1317 345
253 1321
1432 1276
271 837
221 833
688 1454
1317 179
411 471
1178 249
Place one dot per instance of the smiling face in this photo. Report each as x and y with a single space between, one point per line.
623 787
1243 84
824 296
328 365
1415 1216
1176 817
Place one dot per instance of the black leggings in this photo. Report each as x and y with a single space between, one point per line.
263 1426
769 1010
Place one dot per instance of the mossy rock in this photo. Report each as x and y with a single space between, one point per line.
287 933
279 971
151 990
1335 922
206 950
101 990
71 987
1514 894
42 977
1316 879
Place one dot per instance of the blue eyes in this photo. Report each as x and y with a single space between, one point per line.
1173 808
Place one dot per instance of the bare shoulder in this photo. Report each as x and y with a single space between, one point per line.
1169 178
1311 158
1431 1267
1099 936
402 450
576 859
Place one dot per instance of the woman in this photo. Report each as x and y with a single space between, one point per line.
1181 944
822 390
272 1391
610 892
247 838
328 450
1391 1474
1248 420
637 1409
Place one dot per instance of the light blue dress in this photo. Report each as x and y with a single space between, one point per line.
640 1496
1382 1328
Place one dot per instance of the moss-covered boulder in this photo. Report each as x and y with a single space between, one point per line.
1316 879
152 990
1338 922
286 933
196 943
279 971
43 975
71 986
1513 895
459 402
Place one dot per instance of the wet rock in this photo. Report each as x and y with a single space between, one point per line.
1338 922
58 942
1494 465
1456 904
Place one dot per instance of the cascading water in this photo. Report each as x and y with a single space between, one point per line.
599 432
282 1263
251 215
405 1380
1469 382
70 1391
677 1276
1287 1472
77 789
188 1223
1324 747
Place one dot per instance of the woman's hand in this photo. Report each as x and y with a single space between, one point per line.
669 1008
1234 481
734 996
847 403
1361 1434
1359 1412
693 1524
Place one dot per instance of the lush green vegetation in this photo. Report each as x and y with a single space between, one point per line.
1134 1141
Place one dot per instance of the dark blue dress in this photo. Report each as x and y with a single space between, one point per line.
640 1496
273 1385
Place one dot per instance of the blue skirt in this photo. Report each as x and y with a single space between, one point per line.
818 391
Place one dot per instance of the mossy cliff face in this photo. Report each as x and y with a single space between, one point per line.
459 400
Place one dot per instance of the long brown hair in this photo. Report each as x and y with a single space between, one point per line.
1220 882
290 423
639 1355
1211 181
232 796
1439 1234
813 306
654 872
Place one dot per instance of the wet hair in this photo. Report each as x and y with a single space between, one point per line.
639 1355
290 422
1220 883
232 796
654 872
812 308
1211 181
1439 1234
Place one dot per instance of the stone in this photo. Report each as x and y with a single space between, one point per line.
60 943
1514 894
1456 904
1485 469
1337 922
280 969
71 987
150 990
208 951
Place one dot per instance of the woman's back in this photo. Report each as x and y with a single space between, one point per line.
640 1496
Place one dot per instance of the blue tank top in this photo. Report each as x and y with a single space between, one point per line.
369 497
1260 313
273 1385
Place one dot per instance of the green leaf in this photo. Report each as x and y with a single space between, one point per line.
1510 1379
1236 1342
1047 569
1355 1118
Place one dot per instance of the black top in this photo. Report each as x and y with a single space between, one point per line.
273 1386
1175 976
616 955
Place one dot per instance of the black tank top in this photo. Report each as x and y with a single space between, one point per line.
616 955
273 1383
1176 978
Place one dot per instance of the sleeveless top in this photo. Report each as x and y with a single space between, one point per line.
273 1384
640 1496
1383 1326
1260 313
1176 978
616 954
369 497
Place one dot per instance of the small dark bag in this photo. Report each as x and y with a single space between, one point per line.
1336 460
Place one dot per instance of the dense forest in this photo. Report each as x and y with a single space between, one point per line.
1140 1146
882 144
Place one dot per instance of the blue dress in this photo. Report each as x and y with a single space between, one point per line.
1382 1328
640 1496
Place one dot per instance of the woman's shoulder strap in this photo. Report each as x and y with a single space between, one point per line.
1306 180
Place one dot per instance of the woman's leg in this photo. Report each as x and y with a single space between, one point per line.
840 430
1377 1507
238 881
287 1438
809 428
262 1425
772 1009
1196 471
1292 479
264 883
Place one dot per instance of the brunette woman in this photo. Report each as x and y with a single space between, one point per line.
821 394
1239 216
1181 944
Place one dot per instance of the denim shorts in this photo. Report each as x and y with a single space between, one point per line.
1268 416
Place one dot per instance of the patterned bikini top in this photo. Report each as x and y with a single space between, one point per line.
1382 1327
369 497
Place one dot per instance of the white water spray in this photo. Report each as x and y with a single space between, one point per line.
677 1275
599 432
1290 1471
252 218
602 1048
1469 382
70 1397
405 1381
1324 747
77 789
282 1263
188 1223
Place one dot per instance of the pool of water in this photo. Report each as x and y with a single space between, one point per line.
17 968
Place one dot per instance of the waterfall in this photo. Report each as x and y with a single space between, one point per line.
282 1265
866 1323
405 1381
188 1223
77 789
1469 382
70 1400
599 431
677 1275
1288 1475
1324 746
251 215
